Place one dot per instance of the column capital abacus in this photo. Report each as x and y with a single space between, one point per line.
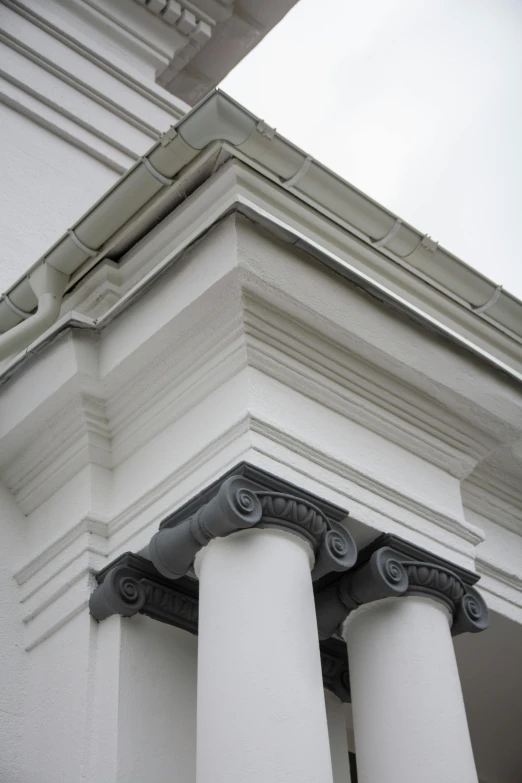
391 567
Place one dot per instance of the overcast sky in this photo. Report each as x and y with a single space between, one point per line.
416 102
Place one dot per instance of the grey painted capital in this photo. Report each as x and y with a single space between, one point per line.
238 505
131 585
391 567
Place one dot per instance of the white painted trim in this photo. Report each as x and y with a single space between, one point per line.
124 75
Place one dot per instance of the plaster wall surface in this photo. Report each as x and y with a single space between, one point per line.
56 704
13 660
64 181
156 703
337 733
108 702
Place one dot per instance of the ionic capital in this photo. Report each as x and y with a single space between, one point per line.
391 567
239 505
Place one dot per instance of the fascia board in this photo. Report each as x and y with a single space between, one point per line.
350 272
328 193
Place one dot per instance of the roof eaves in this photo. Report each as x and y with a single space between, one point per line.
217 119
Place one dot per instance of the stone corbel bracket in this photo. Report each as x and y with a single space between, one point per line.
391 567
239 506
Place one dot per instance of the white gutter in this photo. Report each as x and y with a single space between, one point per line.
219 119
260 216
90 239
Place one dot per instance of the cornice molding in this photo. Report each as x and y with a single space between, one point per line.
183 16
131 585
77 435
393 568
307 361
50 77
83 46
396 410
226 33
489 494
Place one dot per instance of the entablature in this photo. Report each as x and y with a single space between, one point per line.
306 371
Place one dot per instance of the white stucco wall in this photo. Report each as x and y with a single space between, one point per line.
157 703
46 184
107 702
13 660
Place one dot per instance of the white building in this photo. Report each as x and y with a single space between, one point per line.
230 308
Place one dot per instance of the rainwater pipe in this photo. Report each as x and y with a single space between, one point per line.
48 286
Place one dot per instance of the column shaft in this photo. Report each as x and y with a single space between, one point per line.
338 738
261 711
409 719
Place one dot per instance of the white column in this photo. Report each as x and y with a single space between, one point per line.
338 738
261 712
409 719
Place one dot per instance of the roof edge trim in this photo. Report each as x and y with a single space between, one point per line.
220 119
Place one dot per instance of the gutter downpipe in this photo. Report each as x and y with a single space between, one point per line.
89 240
48 285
